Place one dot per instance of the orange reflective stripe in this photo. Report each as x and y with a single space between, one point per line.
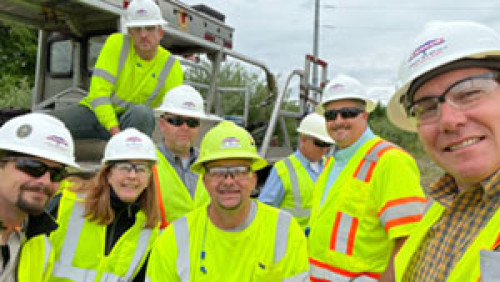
497 242
164 222
402 220
400 201
327 162
365 168
341 271
344 225
356 172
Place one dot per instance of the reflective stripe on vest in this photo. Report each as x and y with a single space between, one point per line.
297 209
365 168
324 272
48 250
401 211
182 240
64 269
113 99
343 233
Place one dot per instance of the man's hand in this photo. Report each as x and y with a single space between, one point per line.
114 130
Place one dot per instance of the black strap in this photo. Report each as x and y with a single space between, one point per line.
5 254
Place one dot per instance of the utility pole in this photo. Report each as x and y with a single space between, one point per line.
316 45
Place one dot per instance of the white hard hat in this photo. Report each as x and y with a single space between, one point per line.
39 135
344 87
314 125
144 13
183 100
130 144
439 44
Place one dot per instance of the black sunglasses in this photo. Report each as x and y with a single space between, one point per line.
35 168
178 121
345 113
321 144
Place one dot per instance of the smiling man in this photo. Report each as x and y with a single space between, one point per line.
131 76
368 198
34 151
234 238
448 92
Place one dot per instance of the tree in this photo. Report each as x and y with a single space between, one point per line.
18 47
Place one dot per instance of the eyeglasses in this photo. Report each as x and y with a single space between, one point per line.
178 121
37 169
345 113
124 168
321 144
219 173
149 28
462 95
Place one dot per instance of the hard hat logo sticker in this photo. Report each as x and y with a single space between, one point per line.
337 86
230 142
57 141
133 143
24 131
189 105
142 12
427 50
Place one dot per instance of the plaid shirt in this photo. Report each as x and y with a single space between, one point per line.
445 243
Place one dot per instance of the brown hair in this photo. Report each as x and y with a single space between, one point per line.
98 203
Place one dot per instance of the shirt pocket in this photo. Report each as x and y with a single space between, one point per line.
489 262
268 273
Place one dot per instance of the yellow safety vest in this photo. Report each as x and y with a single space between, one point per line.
477 261
375 199
298 186
271 248
122 79
36 260
173 196
79 246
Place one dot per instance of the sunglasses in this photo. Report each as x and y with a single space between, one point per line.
37 169
178 121
345 113
321 144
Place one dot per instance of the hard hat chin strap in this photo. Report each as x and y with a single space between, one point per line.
488 62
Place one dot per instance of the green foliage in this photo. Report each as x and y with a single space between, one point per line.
381 126
18 47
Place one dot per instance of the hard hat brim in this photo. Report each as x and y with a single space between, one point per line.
258 162
370 104
37 153
317 136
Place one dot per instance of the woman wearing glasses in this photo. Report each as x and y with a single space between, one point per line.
106 228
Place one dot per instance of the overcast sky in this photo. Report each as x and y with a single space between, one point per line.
362 38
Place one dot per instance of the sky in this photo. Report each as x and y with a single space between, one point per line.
362 38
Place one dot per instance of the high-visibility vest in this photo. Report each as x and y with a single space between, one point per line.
122 79
173 196
478 260
36 260
79 246
375 196
298 185
271 248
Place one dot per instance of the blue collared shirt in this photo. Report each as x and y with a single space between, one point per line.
342 157
273 192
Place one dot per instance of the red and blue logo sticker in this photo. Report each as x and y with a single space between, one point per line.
429 49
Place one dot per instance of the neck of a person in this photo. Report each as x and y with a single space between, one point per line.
11 216
182 153
147 55
229 219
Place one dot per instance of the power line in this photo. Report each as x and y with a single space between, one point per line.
426 8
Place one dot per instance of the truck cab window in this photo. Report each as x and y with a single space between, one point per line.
61 53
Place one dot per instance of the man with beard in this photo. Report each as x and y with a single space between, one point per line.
34 152
368 198
234 238
131 76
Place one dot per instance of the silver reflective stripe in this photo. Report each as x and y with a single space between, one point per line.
342 236
281 236
322 273
297 209
48 250
370 159
123 54
74 273
119 102
162 78
302 277
105 75
139 252
100 101
182 241
400 211
148 279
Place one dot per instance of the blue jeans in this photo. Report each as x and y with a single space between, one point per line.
83 124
